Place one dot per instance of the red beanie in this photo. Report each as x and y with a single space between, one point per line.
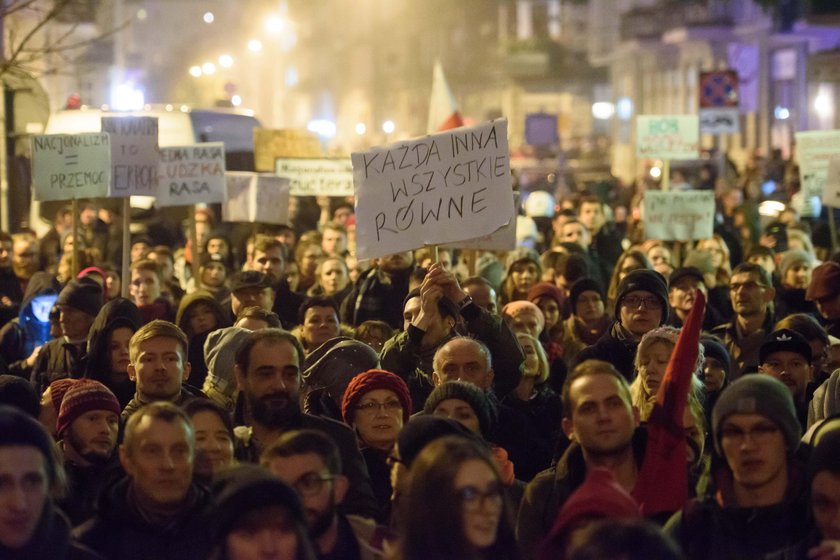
58 389
84 396
370 381
600 496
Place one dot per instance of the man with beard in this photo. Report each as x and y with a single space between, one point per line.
87 426
309 462
268 374
159 366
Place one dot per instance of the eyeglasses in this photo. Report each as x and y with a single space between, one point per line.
760 433
374 406
633 302
474 499
311 483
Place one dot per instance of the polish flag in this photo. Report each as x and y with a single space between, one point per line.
443 112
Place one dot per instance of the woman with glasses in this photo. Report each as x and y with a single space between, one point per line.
377 404
454 506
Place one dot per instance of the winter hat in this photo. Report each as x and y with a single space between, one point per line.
584 285
599 496
522 254
522 307
20 429
370 381
825 281
92 271
467 392
784 340
84 396
58 389
18 392
248 279
825 455
489 267
763 395
793 256
247 488
84 295
526 230
220 356
423 430
685 272
549 290
647 280
712 348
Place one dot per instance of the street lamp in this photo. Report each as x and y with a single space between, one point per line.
254 45
195 71
388 127
225 61
208 68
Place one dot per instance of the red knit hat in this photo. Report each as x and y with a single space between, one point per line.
372 380
58 389
84 396
600 496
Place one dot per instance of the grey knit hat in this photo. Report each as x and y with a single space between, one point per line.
470 394
219 355
760 394
793 256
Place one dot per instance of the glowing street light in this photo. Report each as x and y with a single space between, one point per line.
208 68
254 45
388 127
195 71
274 24
225 61
361 128
208 17
236 100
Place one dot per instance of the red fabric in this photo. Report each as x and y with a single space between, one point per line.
454 121
662 484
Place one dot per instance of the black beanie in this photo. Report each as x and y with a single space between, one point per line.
18 392
648 281
246 488
584 285
84 295
423 430
713 348
825 455
19 429
467 392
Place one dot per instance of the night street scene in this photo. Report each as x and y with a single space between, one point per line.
420 280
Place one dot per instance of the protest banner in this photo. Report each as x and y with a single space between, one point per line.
317 177
831 191
256 197
668 136
814 150
270 144
438 189
678 215
191 175
503 239
71 166
134 155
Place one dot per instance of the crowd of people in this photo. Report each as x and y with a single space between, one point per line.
263 394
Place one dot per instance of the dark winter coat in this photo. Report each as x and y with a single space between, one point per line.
614 347
377 296
114 314
19 337
51 541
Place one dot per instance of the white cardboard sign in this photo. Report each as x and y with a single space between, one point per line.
668 136
134 155
67 166
503 239
720 120
438 189
191 174
831 191
814 150
315 177
677 215
256 197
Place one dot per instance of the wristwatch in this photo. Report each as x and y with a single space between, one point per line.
464 302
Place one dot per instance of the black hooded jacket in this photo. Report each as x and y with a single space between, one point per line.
115 314
14 340
195 348
50 541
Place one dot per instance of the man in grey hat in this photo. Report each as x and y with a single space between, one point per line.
760 508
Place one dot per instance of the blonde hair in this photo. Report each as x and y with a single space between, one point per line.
542 359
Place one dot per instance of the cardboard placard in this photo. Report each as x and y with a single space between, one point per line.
191 174
720 120
316 177
814 150
134 155
668 136
831 190
256 197
270 144
678 215
68 166
438 189
503 239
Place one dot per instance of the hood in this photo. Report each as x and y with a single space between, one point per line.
40 283
195 298
117 313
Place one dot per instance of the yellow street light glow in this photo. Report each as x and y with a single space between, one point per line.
254 45
225 61
195 71
274 24
208 68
